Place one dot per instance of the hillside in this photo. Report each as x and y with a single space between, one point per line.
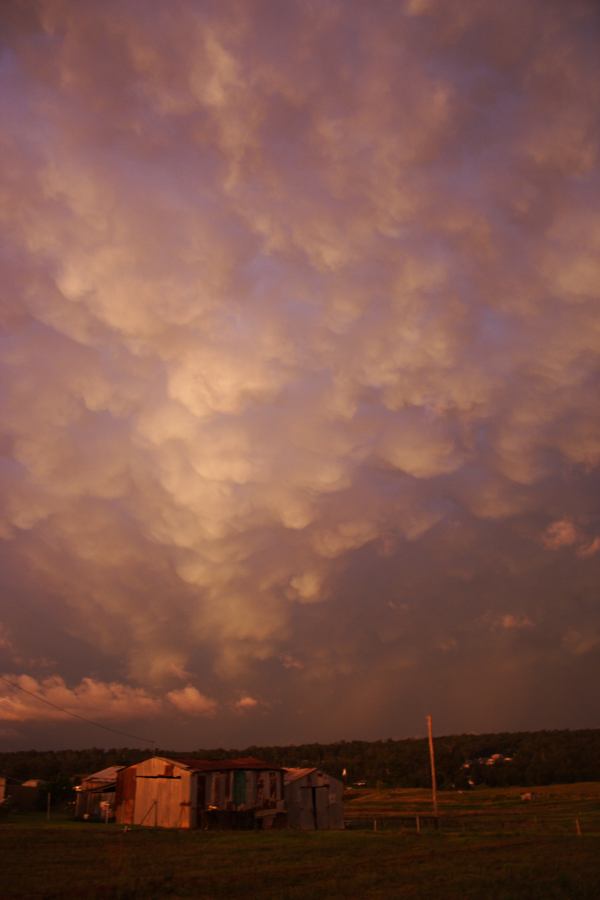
519 758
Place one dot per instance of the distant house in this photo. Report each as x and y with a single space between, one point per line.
200 793
313 799
95 796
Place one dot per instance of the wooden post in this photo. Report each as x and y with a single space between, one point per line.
578 827
418 823
432 764
48 805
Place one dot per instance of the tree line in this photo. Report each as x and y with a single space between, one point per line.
462 761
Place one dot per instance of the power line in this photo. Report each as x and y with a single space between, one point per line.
76 715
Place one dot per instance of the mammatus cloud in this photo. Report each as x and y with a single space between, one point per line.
300 358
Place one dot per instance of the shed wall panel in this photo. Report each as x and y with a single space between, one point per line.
315 801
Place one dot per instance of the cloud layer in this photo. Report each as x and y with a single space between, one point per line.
300 361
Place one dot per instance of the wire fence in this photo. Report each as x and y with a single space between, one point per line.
583 824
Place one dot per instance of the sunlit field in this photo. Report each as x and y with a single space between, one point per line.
491 844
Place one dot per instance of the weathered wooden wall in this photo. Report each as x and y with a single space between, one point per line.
163 795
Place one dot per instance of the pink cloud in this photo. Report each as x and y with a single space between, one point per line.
588 550
246 703
562 533
512 621
97 700
192 702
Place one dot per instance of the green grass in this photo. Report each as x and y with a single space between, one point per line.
554 809
66 859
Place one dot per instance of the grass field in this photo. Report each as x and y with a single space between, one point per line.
490 859
554 809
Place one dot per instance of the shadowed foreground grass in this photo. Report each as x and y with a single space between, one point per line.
104 861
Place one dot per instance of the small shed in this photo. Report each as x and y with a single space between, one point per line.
21 797
95 796
314 800
200 793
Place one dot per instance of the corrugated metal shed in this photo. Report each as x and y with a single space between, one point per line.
313 799
189 793
95 796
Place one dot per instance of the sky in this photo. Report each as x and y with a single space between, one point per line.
299 390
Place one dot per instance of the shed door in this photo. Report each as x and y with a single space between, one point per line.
125 796
201 792
322 805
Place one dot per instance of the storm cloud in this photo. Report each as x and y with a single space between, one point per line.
300 354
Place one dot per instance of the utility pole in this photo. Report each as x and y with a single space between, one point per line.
432 764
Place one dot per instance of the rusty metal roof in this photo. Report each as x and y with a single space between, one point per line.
226 765
108 775
295 774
